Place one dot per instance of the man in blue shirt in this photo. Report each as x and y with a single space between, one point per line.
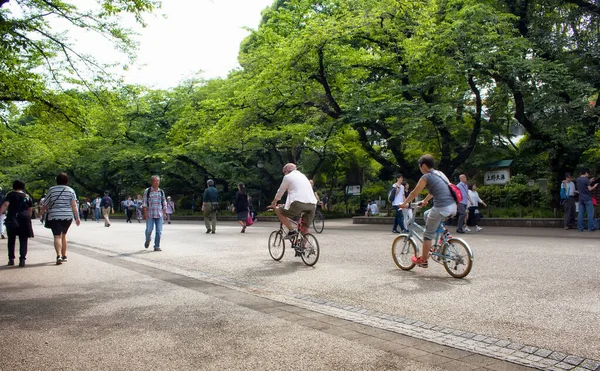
210 206
585 199
462 206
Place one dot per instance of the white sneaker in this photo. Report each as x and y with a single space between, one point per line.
479 228
467 229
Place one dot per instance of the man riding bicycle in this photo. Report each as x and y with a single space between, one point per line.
300 198
444 204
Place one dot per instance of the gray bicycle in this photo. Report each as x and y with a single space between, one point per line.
453 253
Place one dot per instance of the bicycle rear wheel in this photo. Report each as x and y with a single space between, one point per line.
276 245
310 253
403 249
458 258
318 222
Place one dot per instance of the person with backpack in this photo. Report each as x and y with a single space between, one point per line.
18 221
396 197
107 207
444 205
155 212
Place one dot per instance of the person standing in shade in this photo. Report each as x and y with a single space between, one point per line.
210 206
585 199
398 191
569 202
107 207
170 209
462 205
18 221
62 208
155 212
240 206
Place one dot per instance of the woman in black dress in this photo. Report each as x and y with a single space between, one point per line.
240 206
18 221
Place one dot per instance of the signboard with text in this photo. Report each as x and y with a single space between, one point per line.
499 177
353 190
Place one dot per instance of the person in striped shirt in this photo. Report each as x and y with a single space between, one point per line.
61 204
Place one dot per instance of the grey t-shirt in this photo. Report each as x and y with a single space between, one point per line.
582 188
59 200
437 185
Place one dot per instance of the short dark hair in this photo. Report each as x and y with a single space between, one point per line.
427 160
568 175
62 179
242 188
585 170
18 185
399 175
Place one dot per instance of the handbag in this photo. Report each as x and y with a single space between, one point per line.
45 216
249 220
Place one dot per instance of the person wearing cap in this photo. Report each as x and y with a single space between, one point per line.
210 206
170 209
300 198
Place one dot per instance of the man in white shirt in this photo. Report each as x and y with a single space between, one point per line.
398 200
300 198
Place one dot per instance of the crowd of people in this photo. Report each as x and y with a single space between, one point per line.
60 207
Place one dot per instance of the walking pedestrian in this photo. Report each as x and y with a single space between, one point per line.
2 215
139 206
107 208
61 205
397 198
568 187
462 205
85 208
98 208
170 209
240 206
18 221
155 212
210 206
129 207
474 201
585 199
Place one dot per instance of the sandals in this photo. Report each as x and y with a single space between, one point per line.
419 261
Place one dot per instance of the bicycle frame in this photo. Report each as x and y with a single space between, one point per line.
437 243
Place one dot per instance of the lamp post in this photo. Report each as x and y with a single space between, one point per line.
260 166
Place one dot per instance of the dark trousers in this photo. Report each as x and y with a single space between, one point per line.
85 214
399 219
12 239
462 212
128 213
570 220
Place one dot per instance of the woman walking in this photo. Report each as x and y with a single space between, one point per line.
170 209
61 205
18 221
240 206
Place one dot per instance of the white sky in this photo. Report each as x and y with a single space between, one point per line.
195 35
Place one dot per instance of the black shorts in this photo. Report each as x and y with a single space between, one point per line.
59 226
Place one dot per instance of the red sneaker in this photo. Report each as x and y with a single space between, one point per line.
419 261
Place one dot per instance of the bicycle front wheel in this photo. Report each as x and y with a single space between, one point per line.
458 258
403 249
318 222
276 245
310 249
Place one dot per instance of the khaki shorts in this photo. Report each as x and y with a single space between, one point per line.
297 208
